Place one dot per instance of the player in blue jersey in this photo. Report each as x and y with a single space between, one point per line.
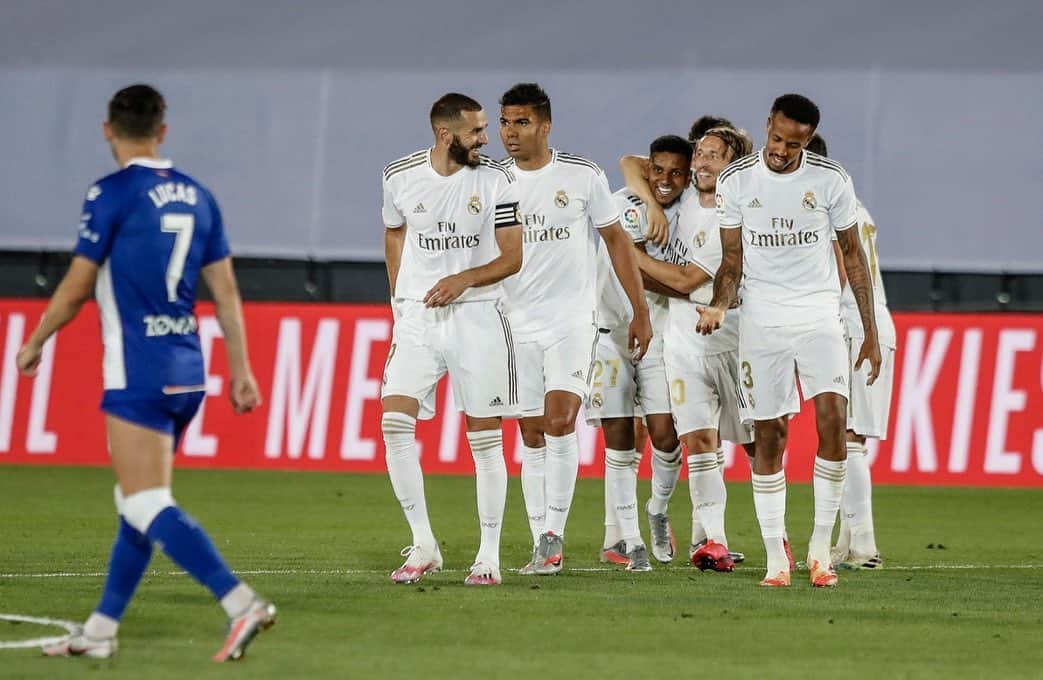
146 234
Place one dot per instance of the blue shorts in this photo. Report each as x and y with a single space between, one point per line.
169 414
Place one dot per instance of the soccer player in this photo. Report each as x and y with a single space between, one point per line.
452 234
777 209
702 370
623 389
146 234
562 199
868 409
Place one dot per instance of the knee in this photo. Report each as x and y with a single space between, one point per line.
701 441
141 508
559 424
531 433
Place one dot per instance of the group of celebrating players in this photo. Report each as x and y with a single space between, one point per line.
691 301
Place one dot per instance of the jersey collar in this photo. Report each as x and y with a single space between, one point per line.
154 163
789 175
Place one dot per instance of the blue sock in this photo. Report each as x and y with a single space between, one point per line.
187 544
130 557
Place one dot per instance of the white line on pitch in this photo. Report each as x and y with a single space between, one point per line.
69 626
361 572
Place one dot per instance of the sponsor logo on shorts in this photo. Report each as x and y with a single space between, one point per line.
496 402
577 374
839 380
596 400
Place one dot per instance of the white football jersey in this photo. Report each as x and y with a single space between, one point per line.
559 207
614 309
789 269
848 307
698 242
450 221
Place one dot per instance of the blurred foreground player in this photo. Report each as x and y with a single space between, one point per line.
146 234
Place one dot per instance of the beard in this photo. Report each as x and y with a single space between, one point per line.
461 154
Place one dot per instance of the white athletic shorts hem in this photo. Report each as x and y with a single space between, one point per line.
563 364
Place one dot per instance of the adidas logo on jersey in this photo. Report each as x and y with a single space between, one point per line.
496 402
754 203
419 209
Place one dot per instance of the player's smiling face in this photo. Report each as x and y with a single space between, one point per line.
711 156
668 175
786 139
469 135
523 132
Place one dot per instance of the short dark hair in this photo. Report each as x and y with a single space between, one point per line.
817 145
450 107
528 94
797 107
136 112
704 123
671 144
736 140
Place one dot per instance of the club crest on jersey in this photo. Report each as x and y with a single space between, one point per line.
474 206
561 199
809 201
700 239
719 201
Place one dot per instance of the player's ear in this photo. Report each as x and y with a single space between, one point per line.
106 130
161 134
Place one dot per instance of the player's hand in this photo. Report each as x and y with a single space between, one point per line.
447 290
870 352
640 335
658 226
710 319
28 358
245 394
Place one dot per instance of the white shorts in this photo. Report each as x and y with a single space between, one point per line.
773 358
704 394
563 364
869 408
470 340
621 388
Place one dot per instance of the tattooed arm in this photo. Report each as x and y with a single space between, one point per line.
725 282
862 287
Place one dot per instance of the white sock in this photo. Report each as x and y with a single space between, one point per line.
613 534
490 472
769 501
829 486
858 501
237 600
709 495
562 468
619 469
665 466
407 479
100 627
533 481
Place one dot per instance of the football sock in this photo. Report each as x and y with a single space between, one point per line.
562 468
130 556
665 466
769 501
709 495
858 501
237 600
491 481
613 534
407 479
187 544
533 481
619 473
828 486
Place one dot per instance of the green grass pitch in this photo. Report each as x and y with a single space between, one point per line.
321 547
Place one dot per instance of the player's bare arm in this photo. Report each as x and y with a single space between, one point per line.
394 242
653 286
621 253
682 279
508 262
76 287
228 307
862 288
841 271
725 284
635 173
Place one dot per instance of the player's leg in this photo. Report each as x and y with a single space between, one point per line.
641 436
621 483
485 436
529 357
412 370
822 364
653 395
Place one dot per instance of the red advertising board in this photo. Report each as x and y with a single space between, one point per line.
967 406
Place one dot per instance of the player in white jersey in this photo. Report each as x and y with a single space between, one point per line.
777 210
703 370
624 389
452 235
562 200
868 408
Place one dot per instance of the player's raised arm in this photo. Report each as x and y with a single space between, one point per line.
862 288
76 287
220 278
635 174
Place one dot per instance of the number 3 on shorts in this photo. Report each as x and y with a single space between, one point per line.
747 377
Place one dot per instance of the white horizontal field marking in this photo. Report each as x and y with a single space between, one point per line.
361 572
69 626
